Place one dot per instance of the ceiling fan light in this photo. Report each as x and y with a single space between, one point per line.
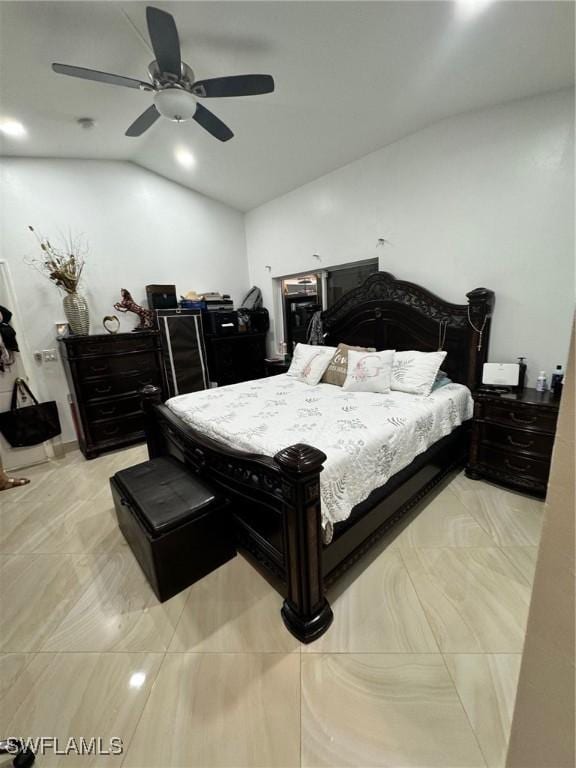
175 104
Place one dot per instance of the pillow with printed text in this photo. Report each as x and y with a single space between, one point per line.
369 371
338 367
309 362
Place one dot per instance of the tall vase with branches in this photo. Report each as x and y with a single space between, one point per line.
63 266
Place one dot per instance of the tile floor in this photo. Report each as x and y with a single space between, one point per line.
419 668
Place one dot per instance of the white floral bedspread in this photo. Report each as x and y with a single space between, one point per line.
367 437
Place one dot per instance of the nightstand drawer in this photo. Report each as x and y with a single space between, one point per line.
520 416
516 440
505 462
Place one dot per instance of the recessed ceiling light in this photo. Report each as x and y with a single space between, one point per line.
185 157
12 128
470 8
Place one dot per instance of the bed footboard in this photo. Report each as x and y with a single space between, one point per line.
286 488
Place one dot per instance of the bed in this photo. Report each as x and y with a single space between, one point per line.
367 438
314 479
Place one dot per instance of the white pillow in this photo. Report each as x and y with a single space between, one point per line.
309 362
415 372
369 371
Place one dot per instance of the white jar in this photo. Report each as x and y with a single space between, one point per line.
541 382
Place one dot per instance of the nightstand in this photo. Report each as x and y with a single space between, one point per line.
274 367
512 439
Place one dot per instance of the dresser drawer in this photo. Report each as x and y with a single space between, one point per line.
97 389
112 409
114 429
514 440
513 464
116 365
112 345
520 416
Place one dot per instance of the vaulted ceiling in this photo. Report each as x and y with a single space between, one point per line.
350 77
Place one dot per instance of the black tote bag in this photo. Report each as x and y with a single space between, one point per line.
31 424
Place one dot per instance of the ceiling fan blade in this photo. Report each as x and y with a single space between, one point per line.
212 124
100 77
143 122
236 85
165 41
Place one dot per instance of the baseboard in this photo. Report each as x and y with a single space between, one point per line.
62 449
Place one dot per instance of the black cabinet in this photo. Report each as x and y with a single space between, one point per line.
236 358
183 354
105 373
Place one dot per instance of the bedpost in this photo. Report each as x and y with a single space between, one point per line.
480 306
306 612
151 396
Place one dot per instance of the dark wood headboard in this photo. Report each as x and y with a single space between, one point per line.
393 314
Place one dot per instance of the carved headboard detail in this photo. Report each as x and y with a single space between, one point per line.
387 313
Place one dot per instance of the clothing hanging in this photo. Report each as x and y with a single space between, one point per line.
315 330
8 343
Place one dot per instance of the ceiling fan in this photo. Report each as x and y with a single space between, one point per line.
172 82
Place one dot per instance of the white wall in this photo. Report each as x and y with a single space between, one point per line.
485 198
482 199
141 229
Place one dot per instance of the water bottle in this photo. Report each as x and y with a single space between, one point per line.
556 381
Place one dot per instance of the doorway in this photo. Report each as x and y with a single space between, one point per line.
15 458
308 292
301 297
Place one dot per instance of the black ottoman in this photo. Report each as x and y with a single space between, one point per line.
177 526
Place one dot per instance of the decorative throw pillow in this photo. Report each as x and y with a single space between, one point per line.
338 367
369 371
441 380
309 362
415 372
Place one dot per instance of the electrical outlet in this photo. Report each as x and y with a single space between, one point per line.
49 356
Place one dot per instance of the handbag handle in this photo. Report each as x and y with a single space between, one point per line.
20 384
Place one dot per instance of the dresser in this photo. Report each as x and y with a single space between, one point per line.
234 358
512 439
105 373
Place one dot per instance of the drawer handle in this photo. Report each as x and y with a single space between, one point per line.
111 430
103 390
527 420
107 412
519 445
511 465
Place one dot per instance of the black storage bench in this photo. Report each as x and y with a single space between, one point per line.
177 526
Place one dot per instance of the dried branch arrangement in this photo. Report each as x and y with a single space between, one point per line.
63 266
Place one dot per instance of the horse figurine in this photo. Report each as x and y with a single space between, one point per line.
146 316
